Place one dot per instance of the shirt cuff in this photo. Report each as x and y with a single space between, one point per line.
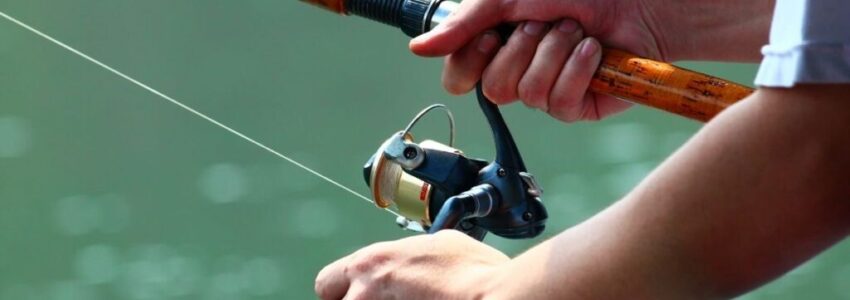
806 63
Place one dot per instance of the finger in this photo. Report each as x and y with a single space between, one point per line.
552 54
502 76
568 101
606 106
463 68
358 291
598 106
470 19
332 282
475 16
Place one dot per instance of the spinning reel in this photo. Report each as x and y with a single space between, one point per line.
434 186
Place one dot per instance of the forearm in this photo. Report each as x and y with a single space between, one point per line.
759 190
710 30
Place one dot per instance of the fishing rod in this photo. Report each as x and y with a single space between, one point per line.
621 74
434 186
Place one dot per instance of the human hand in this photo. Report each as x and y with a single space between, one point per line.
445 265
548 62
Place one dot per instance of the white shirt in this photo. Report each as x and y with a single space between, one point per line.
809 43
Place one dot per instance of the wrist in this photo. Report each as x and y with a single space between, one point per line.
535 274
490 282
709 30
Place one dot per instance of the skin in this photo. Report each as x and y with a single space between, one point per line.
548 62
759 190
725 214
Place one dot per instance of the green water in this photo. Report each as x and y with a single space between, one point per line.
109 192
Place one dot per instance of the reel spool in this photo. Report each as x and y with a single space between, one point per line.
391 186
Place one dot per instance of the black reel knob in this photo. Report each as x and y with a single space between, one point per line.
412 16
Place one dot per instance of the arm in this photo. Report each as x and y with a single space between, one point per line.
759 190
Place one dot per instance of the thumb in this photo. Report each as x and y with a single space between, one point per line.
471 18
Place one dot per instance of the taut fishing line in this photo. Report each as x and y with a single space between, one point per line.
189 109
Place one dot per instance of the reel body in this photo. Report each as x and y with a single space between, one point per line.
435 186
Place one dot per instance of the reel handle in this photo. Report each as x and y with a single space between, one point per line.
454 210
478 202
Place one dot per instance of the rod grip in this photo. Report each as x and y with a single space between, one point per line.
664 86
660 85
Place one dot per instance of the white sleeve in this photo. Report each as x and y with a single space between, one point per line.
809 43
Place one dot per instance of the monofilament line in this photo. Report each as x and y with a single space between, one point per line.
187 108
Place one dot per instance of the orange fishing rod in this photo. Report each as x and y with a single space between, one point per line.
621 74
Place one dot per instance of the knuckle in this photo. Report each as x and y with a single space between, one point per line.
533 104
360 295
497 91
562 117
532 93
507 8
566 109
560 42
521 44
457 81
453 84
368 261
454 88
449 234
321 279
384 279
525 90
347 270
322 292
319 288
362 266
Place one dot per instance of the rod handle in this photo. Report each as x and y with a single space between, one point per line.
664 86
658 84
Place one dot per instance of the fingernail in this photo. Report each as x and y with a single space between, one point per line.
589 48
427 35
533 27
487 42
568 26
420 39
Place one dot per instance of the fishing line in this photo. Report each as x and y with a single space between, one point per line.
189 109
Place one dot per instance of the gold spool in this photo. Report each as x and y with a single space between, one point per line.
392 186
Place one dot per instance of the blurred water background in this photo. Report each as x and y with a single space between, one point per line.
108 192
